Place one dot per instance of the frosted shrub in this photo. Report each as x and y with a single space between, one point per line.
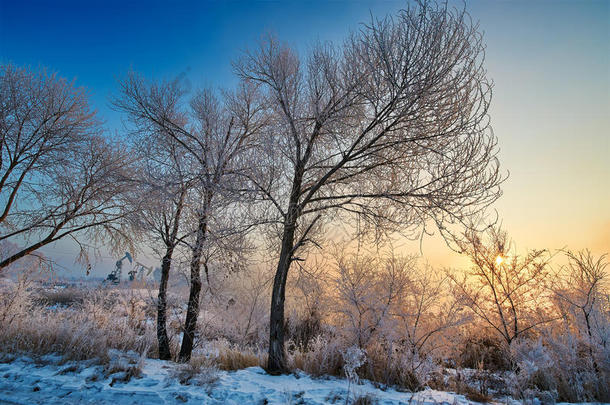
412 366
303 328
557 367
308 300
505 291
533 377
200 370
575 377
397 365
482 350
353 357
531 356
366 289
235 310
15 300
323 356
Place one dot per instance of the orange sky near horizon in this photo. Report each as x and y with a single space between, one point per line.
551 114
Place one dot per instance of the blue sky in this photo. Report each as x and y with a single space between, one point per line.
549 61
97 41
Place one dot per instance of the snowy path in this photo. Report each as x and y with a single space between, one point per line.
23 381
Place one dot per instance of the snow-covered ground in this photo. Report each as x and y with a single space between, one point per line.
25 381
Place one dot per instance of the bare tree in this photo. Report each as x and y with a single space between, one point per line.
58 176
504 290
164 186
426 311
214 134
391 128
367 288
580 288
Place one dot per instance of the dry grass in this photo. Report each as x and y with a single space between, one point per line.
234 359
365 400
95 323
323 357
61 297
82 331
475 395
201 371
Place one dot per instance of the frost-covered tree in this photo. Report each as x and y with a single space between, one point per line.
367 288
425 313
390 127
59 177
582 293
395 301
164 183
504 290
214 134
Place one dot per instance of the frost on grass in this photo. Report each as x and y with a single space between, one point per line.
200 370
123 366
366 337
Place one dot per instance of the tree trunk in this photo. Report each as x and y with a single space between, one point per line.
164 351
588 323
192 311
276 362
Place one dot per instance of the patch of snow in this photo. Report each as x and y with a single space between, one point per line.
25 381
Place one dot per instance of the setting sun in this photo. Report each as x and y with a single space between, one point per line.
499 260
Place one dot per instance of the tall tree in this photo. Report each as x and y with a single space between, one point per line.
214 133
58 176
391 127
164 182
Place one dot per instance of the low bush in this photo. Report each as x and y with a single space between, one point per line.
301 330
484 352
200 370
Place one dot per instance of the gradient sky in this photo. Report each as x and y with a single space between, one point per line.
549 61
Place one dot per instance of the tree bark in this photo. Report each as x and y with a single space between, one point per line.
164 350
590 334
192 311
276 362
23 253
